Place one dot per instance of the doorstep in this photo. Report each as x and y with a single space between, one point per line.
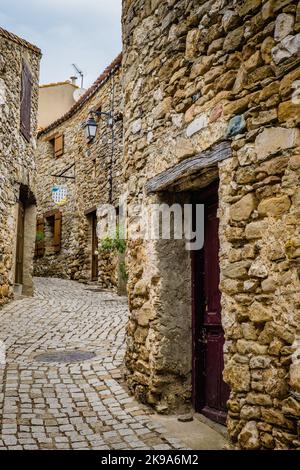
199 434
216 426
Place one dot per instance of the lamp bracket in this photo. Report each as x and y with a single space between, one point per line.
101 113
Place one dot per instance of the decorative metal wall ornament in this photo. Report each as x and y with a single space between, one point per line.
60 195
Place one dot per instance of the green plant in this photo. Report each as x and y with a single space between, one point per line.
40 236
113 243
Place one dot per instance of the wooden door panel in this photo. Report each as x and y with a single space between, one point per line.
20 245
94 274
211 393
211 267
213 373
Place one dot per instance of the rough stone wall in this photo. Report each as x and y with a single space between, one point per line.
196 73
91 185
17 165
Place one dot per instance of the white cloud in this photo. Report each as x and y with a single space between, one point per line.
67 31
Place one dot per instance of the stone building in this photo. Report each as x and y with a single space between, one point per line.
211 115
86 173
19 76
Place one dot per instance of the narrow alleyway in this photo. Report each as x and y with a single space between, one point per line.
79 405
69 405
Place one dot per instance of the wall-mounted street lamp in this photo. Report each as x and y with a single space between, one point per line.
90 126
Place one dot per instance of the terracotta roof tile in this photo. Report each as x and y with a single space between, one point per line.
12 37
86 96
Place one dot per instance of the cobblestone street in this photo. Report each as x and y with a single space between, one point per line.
80 405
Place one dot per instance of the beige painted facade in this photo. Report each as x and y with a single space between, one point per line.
55 100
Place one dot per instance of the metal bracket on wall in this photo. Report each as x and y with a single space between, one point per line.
62 174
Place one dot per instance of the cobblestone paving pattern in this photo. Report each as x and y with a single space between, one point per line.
75 405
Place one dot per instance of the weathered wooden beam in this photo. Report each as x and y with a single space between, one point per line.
90 210
188 167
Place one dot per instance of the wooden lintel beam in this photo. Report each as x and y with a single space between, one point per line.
188 167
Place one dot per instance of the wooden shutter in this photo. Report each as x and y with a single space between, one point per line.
40 237
59 145
25 105
57 232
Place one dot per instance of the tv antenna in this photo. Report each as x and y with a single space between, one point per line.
80 73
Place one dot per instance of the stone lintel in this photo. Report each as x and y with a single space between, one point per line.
203 166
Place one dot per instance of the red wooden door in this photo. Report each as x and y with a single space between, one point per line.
210 391
95 259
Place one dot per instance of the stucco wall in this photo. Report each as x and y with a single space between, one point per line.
54 101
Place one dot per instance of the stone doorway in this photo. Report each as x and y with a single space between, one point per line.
25 237
169 377
193 342
92 241
210 393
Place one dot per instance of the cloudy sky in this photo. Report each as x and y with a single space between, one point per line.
84 32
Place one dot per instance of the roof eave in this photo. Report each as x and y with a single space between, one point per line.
20 41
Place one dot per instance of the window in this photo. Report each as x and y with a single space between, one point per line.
48 238
57 143
40 238
25 102
49 234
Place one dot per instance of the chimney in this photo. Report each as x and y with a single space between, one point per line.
74 80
